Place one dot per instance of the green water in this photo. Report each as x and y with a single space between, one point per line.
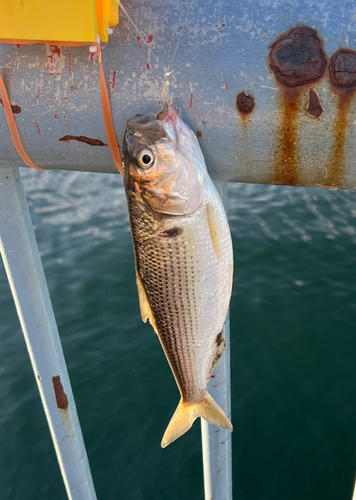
293 354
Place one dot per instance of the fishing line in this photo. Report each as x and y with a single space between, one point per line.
167 71
143 37
180 36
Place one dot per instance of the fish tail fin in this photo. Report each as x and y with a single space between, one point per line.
187 413
212 412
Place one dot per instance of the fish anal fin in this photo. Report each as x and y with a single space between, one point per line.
220 348
215 229
187 413
145 308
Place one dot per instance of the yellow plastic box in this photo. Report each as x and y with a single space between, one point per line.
58 20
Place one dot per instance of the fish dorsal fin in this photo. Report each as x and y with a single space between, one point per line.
215 229
145 308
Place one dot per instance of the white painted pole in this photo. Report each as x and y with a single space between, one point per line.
217 442
29 288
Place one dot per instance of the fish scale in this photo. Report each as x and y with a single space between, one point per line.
166 286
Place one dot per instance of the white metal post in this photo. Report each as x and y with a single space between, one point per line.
29 288
217 442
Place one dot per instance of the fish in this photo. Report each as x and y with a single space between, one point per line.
183 255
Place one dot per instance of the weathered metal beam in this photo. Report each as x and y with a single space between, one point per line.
213 52
23 266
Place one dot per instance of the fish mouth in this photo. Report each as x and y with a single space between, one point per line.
146 128
168 114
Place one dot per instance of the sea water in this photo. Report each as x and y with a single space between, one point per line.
293 349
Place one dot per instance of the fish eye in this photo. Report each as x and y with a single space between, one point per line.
145 159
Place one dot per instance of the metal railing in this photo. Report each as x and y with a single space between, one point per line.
24 270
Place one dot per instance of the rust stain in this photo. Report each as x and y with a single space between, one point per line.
70 63
199 133
314 107
150 38
38 127
336 167
342 75
53 63
56 50
15 108
138 41
82 138
61 397
245 103
191 100
148 66
286 158
297 57
342 70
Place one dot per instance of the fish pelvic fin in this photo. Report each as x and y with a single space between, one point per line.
145 308
187 413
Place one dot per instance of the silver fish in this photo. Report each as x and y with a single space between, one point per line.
183 254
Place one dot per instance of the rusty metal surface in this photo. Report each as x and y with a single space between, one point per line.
299 132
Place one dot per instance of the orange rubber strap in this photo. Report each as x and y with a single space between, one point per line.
109 126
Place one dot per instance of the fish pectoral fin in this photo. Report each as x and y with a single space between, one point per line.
215 229
187 413
145 308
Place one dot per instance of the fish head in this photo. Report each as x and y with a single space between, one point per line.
164 165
